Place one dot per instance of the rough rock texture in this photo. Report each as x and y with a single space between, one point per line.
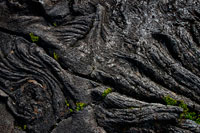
144 50
7 120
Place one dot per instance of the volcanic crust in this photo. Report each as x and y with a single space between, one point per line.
99 66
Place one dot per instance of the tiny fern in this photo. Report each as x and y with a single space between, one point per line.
33 37
80 106
106 92
187 114
55 56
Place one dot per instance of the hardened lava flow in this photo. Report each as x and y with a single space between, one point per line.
99 66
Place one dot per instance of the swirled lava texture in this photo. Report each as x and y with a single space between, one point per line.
99 66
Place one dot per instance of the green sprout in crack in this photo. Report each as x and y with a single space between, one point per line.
80 106
190 115
55 56
25 126
170 101
54 24
106 92
198 120
33 37
71 110
183 106
20 128
187 114
66 102
68 106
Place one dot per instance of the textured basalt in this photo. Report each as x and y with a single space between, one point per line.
140 50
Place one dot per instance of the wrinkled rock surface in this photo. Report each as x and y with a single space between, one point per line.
144 50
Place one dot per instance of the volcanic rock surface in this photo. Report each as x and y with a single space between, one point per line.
99 66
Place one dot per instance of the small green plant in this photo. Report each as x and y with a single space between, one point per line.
66 102
80 106
170 101
131 108
33 37
54 24
190 115
55 56
183 106
198 120
186 112
20 128
25 126
106 92
71 110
